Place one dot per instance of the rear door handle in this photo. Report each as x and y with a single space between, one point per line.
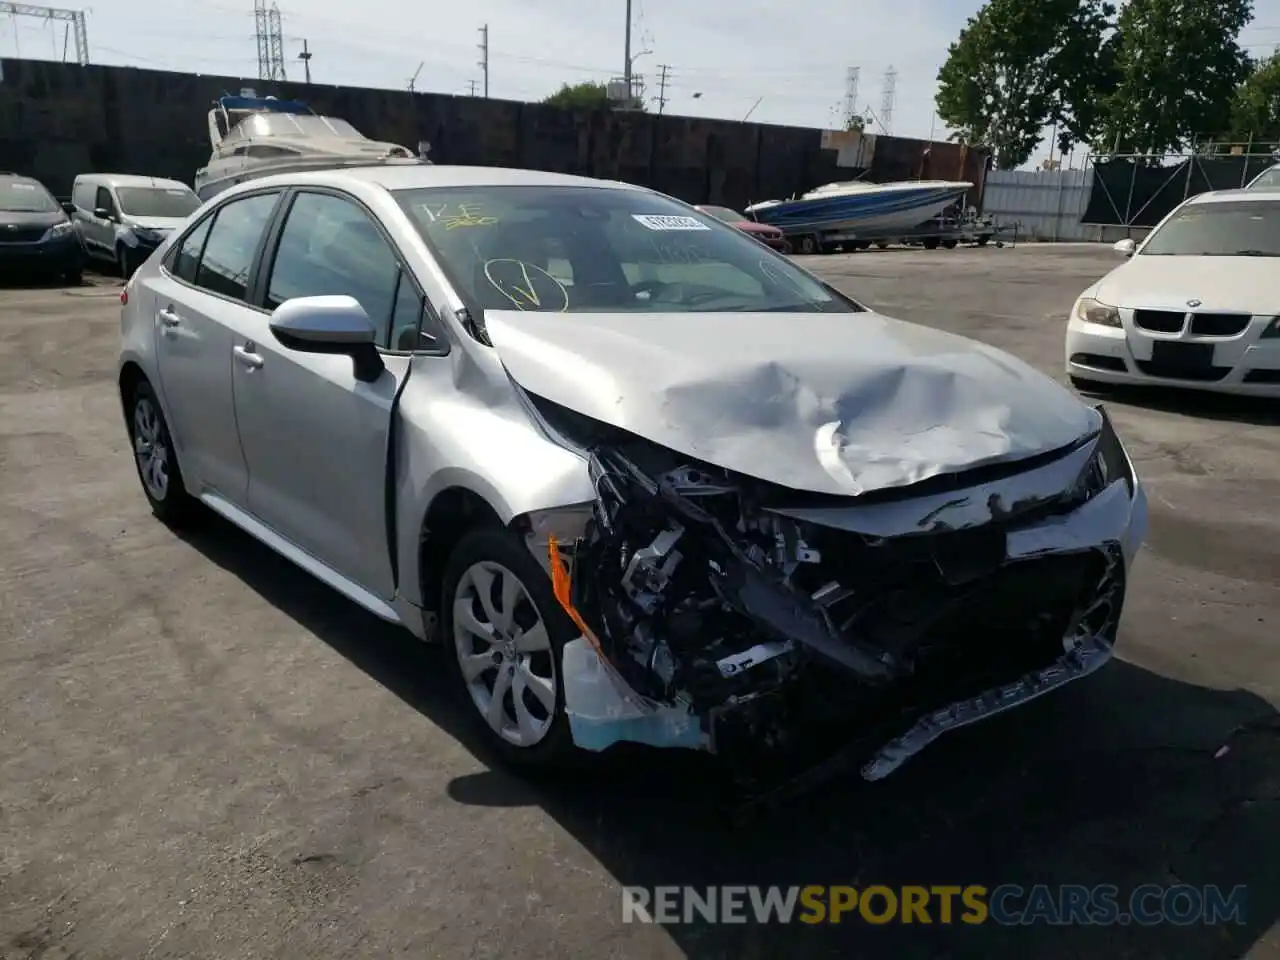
247 357
169 318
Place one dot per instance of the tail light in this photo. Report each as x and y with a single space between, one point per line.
124 296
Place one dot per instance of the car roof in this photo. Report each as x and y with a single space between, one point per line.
414 176
20 177
1223 196
130 180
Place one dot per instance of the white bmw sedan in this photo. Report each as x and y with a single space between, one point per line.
1196 305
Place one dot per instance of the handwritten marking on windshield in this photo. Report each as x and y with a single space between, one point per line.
519 282
466 215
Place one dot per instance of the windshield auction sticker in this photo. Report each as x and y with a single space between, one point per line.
657 222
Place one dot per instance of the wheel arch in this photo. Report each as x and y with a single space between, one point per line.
452 513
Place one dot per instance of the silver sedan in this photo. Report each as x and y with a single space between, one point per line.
646 479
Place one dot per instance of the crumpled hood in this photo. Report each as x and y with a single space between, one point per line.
828 403
1233 284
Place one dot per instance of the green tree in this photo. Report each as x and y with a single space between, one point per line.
1178 66
1255 111
1019 66
582 96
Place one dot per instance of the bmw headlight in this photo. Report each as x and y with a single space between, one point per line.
1108 464
1095 311
59 230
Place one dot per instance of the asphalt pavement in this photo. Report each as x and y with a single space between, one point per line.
204 753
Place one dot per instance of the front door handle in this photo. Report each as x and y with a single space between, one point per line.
169 318
247 357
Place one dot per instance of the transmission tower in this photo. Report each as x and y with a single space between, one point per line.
850 94
74 19
887 99
270 41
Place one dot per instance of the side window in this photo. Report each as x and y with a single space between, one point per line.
233 241
330 247
186 259
103 200
413 325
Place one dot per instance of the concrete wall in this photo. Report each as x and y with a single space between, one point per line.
58 120
1046 204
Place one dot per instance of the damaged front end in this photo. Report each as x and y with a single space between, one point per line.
725 614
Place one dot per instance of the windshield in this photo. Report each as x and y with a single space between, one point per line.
1267 180
23 196
1233 228
297 125
602 250
172 202
725 214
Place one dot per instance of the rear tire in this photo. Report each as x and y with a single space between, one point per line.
514 644
73 276
155 460
126 260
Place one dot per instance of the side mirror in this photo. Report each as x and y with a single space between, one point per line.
102 213
1125 247
329 325
68 207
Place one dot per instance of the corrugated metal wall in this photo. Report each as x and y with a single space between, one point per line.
1047 204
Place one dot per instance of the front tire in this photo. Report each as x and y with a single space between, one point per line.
506 634
154 457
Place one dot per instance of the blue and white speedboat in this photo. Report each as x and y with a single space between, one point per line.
865 209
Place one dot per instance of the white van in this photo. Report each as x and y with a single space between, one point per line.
121 218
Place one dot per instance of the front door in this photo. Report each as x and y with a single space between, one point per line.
315 438
198 306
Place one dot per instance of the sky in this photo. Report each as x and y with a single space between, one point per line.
767 59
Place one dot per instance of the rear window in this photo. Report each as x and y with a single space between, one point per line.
603 250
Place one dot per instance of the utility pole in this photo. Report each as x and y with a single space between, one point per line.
484 57
473 88
305 57
626 66
663 69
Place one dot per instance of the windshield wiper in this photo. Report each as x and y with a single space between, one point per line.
1244 253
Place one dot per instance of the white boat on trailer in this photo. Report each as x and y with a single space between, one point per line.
255 136
858 212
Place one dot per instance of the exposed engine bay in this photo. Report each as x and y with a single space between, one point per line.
781 641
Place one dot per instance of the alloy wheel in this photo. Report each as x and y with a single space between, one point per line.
504 653
151 449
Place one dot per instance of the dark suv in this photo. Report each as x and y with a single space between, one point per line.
36 235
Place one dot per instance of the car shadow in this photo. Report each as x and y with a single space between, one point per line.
1262 411
1128 778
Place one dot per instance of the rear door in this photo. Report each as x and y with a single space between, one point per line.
199 299
314 437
